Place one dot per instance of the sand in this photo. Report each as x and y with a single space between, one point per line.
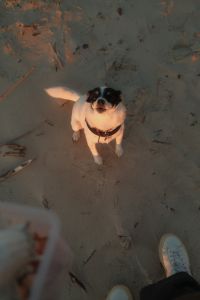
112 216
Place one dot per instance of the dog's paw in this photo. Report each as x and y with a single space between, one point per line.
119 150
98 159
76 136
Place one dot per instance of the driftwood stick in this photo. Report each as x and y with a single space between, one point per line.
11 88
58 62
90 256
16 170
12 150
161 142
74 279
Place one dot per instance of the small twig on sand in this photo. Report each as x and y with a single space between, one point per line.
50 123
16 84
90 256
16 170
74 279
58 62
45 203
161 142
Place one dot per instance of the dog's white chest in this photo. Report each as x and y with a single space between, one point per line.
104 140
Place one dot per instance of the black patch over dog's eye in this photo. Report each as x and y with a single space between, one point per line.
93 95
113 96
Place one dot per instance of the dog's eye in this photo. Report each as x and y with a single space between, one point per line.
95 95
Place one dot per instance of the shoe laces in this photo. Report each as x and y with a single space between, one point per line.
177 261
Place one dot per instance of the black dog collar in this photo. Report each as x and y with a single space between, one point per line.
101 133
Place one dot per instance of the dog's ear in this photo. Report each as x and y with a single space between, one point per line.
92 95
117 97
118 93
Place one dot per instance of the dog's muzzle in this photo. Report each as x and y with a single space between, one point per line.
100 106
101 102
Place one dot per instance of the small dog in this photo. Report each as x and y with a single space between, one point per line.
100 113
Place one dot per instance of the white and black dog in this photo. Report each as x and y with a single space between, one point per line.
100 113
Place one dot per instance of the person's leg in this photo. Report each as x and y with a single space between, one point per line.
175 261
119 292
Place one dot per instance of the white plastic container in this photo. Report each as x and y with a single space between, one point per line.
49 278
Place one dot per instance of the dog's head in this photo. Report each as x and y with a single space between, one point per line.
104 98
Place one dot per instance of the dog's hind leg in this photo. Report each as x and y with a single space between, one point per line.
118 148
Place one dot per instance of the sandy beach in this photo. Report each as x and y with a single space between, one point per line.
112 216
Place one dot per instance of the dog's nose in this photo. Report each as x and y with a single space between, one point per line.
101 101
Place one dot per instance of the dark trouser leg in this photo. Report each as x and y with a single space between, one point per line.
170 288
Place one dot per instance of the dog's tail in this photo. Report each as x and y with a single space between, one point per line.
62 93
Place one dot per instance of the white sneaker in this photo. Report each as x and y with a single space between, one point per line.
119 292
173 255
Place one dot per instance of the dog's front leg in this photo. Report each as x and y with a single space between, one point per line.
97 158
76 126
118 148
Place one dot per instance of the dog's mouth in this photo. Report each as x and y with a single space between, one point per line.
101 109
